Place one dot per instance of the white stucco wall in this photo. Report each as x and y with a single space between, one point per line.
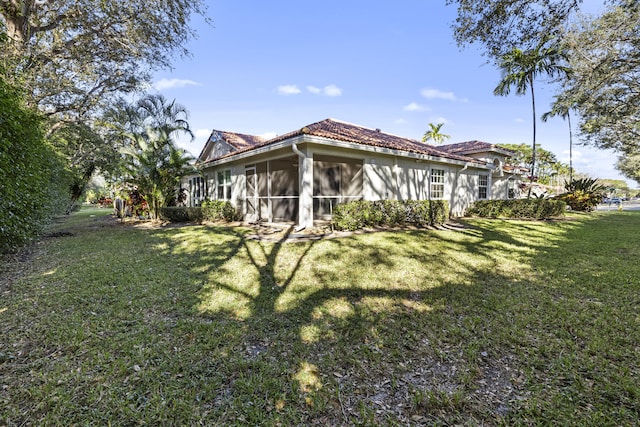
378 179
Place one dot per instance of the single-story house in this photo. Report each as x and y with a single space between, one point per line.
302 175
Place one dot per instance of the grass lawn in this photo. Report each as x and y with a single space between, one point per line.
499 323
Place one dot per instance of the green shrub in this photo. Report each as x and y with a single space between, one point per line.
211 210
582 194
34 180
518 208
360 214
181 214
219 210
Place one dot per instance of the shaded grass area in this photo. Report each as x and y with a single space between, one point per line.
501 323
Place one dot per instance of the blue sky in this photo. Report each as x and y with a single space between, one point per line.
267 68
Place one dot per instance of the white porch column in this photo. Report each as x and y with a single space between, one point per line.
305 186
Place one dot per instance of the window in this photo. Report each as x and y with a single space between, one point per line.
224 185
483 183
511 188
198 190
437 183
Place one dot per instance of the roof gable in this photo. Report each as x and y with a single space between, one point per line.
227 142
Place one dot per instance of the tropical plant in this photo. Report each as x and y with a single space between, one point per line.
434 134
521 68
157 112
583 194
155 165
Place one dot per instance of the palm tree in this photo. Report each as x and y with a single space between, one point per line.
560 109
156 112
155 165
152 160
521 68
433 134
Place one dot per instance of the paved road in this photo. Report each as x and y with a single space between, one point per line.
631 205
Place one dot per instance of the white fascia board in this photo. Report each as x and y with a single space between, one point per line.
246 154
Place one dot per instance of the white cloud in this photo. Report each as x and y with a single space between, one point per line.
329 90
288 90
202 133
415 107
439 94
332 90
400 122
174 83
519 120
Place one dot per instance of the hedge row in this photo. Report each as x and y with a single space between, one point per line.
359 214
181 214
34 182
214 210
518 208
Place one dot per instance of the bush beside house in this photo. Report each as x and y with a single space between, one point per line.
361 213
518 208
211 210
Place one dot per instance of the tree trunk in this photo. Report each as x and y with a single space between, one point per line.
78 188
16 18
570 148
533 154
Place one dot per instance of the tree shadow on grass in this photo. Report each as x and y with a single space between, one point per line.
305 300
412 327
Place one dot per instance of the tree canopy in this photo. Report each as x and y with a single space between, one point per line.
603 53
500 25
74 56
605 85
548 164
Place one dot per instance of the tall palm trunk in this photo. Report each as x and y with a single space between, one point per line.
533 154
570 148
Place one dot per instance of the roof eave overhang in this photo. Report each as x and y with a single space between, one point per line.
312 139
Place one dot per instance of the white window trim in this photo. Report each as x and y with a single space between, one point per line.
485 186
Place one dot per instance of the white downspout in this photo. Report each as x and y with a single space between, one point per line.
295 149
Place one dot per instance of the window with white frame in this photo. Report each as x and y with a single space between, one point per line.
437 183
483 186
224 185
198 190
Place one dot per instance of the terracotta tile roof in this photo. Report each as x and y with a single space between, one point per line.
237 140
348 132
241 141
470 147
